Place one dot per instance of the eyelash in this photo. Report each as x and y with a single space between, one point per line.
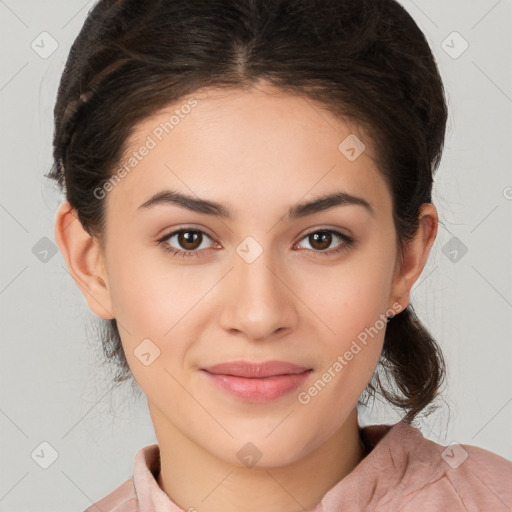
348 242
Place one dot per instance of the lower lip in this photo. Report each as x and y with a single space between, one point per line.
258 389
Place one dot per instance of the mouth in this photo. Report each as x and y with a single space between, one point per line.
257 381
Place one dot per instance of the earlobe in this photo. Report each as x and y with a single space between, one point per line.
84 259
416 254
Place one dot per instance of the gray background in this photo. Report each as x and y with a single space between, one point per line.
53 387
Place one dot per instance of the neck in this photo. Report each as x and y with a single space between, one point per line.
195 479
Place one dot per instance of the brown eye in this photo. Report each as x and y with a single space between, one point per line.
321 240
189 240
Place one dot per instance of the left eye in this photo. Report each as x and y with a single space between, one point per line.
191 240
323 238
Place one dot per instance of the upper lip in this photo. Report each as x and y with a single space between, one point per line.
251 369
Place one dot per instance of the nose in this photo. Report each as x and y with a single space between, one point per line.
259 302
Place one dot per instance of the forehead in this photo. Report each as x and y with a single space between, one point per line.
243 147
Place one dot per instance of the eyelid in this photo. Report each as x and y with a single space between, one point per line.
336 229
172 231
191 227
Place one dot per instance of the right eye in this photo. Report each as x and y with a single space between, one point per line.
188 238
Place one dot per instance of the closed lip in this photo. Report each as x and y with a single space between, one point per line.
255 370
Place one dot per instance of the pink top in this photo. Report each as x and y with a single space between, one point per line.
403 472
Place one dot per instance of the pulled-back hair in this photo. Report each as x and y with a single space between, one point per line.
364 60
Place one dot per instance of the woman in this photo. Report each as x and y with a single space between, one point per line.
248 206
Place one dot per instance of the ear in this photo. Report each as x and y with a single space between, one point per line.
415 255
84 259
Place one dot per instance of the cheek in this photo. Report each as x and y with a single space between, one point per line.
352 302
350 296
150 294
152 305
158 302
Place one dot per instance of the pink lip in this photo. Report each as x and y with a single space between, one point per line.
257 382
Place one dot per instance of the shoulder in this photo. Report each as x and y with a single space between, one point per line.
404 471
463 476
122 499
480 477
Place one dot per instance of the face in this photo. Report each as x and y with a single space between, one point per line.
309 289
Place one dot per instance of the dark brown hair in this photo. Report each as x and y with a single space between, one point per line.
364 60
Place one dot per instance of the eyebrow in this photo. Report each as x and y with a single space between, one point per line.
326 202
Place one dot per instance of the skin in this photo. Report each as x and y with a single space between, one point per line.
258 152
